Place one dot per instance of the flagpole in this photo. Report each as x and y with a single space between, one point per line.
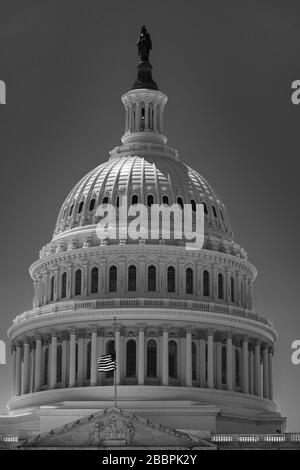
115 371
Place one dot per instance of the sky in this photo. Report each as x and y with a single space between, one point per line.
227 68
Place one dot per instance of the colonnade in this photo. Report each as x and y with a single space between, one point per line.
145 355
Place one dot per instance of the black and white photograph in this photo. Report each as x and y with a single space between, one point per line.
149 228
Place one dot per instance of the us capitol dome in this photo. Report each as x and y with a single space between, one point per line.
191 352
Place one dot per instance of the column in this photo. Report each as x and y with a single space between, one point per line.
13 373
155 117
146 116
118 356
38 363
81 338
72 363
18 369
210 359
93 380
53 360
64 359
229 362
165 356
251 370
257 377
245 369
265 371
219 364
202 363
270 354
141 356
32 368
100 349
188 357
26 366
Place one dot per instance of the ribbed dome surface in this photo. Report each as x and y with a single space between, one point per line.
141 176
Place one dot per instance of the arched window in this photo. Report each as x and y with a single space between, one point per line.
193 204
80 207
94 280
71 210
165 200
64 285
152 279
224 355
52 288
171 279
78 282
105 200
232 285
134 199
205 208
214 211
131 358
110 349
220 286
46 366
88 359
143 119
189 275
206 283
59 364
151 358
132 278
194 361
180 202
173 359
92 204
113 278
150 200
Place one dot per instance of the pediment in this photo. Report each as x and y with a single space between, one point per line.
114 428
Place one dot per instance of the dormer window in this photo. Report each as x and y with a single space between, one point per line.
92 204
80 207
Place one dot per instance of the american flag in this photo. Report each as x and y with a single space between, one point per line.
106 362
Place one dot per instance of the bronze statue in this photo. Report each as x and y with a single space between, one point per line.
144 45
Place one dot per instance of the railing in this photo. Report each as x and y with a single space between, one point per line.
140 303
278 439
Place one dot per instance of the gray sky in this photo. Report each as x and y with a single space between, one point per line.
227 68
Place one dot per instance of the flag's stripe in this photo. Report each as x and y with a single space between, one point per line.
106 363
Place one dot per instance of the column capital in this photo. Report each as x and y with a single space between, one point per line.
141 327
165 328
73 331
81 333
64 335
210 332
13 347
27 340
188 328
271 350
19 343
245 338
54 333
228 334
38 336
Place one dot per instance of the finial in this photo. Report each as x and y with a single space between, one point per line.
144 77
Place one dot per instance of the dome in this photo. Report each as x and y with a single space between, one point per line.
179 322
166 179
